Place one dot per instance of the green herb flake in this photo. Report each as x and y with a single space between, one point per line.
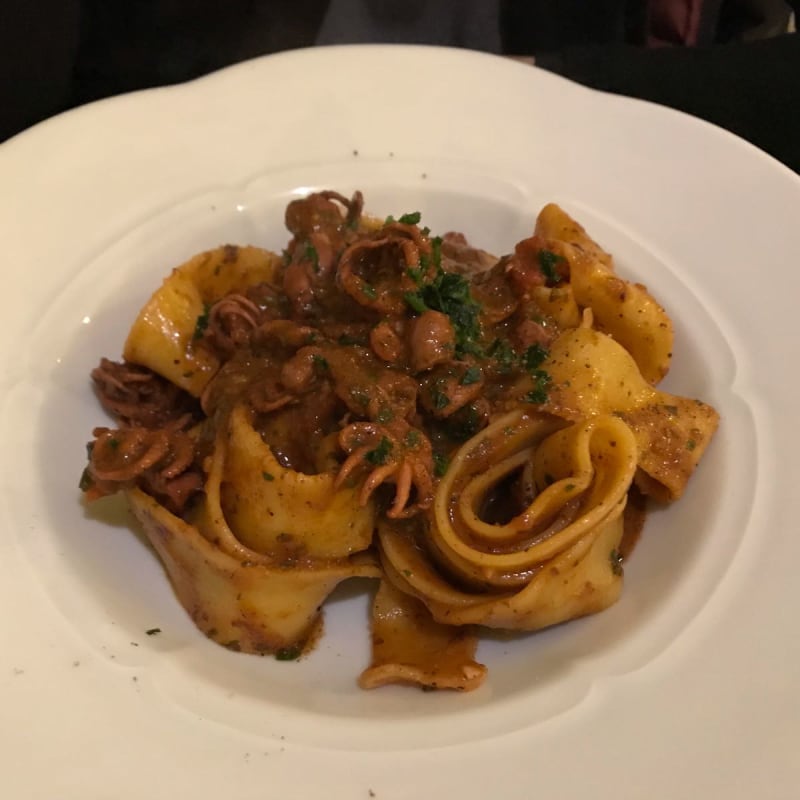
368 290
411 219
436 251
570 487
440 464
534 356
380 454
417 274
440 399
450 294
691 444
86 482
360 396
113 443
288 653
311 254
615 557
541 384
320 361
349 339
415 301
548 262
502 353
412 439
408 573
385 414
267 476
153 631
202 322
471 375
389 220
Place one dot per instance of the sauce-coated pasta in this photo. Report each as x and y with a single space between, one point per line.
477 434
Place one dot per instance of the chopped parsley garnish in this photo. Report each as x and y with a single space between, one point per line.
202 322
534 357
348 339
380 454
411 219
436 251
86 482
548 262
320 361
440 464
368 290
267 476
153 631
414 299
288 653
541 383
615 557
417 274
385 414
471 375
439 398
412 438
691 444
449 294
503 355
359 395
312 255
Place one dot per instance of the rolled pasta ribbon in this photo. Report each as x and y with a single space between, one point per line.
592 374
551 562
166 328
246 606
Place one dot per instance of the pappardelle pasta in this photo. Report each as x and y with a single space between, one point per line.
479 435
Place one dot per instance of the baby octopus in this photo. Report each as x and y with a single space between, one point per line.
392 452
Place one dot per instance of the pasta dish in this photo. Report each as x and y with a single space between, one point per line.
479 436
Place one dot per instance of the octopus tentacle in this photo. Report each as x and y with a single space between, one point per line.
394 453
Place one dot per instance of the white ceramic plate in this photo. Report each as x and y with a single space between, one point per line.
688 687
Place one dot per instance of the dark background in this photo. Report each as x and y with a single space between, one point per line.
742 72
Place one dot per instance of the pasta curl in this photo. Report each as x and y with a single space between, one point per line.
551 560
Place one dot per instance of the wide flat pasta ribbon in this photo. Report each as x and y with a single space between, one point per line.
592 374
275 510
252 569
624 310
408 646
162 336
252 607
553 560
